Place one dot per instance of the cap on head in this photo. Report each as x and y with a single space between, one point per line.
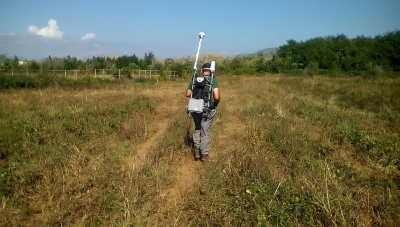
206 66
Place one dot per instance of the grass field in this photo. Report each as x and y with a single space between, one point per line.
286 151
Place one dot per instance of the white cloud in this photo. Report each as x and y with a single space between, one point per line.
88 36
50 31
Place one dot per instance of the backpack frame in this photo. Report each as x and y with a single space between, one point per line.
197 104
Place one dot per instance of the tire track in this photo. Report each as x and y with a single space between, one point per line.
165 109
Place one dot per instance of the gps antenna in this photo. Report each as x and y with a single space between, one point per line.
201 36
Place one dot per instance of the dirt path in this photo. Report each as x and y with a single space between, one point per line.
186 169
189 170
226 127
164 111
187 177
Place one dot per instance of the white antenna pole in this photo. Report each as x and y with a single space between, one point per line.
201 36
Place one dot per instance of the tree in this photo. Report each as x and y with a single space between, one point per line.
15 62
70 63
276 64
149 58
122 61
5 64
260 63
45 66
33 66
3 58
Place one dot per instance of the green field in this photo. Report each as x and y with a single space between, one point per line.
286 151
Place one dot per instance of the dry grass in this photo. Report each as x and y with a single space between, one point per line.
304 160
285 152
63 148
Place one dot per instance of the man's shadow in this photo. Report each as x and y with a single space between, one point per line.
189 139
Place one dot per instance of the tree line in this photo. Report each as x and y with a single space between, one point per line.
331 54
340 53
125 63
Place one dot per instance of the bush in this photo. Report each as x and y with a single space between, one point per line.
145 80
45 80
19 82
238 71
373 71
312 69
126 72
250 71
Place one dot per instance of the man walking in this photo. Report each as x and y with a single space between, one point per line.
209 92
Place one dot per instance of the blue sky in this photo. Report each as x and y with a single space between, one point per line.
83 28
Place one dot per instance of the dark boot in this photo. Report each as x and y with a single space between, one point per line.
197 153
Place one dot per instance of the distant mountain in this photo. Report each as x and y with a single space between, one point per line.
209 56
206 57
268 52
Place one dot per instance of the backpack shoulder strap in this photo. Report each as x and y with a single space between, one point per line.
193 78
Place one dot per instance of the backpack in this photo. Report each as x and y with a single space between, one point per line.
202 98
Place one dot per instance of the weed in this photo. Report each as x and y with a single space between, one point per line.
5 181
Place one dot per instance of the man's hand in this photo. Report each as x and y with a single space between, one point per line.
188 93
217 97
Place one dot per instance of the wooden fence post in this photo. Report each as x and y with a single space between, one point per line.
65 73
